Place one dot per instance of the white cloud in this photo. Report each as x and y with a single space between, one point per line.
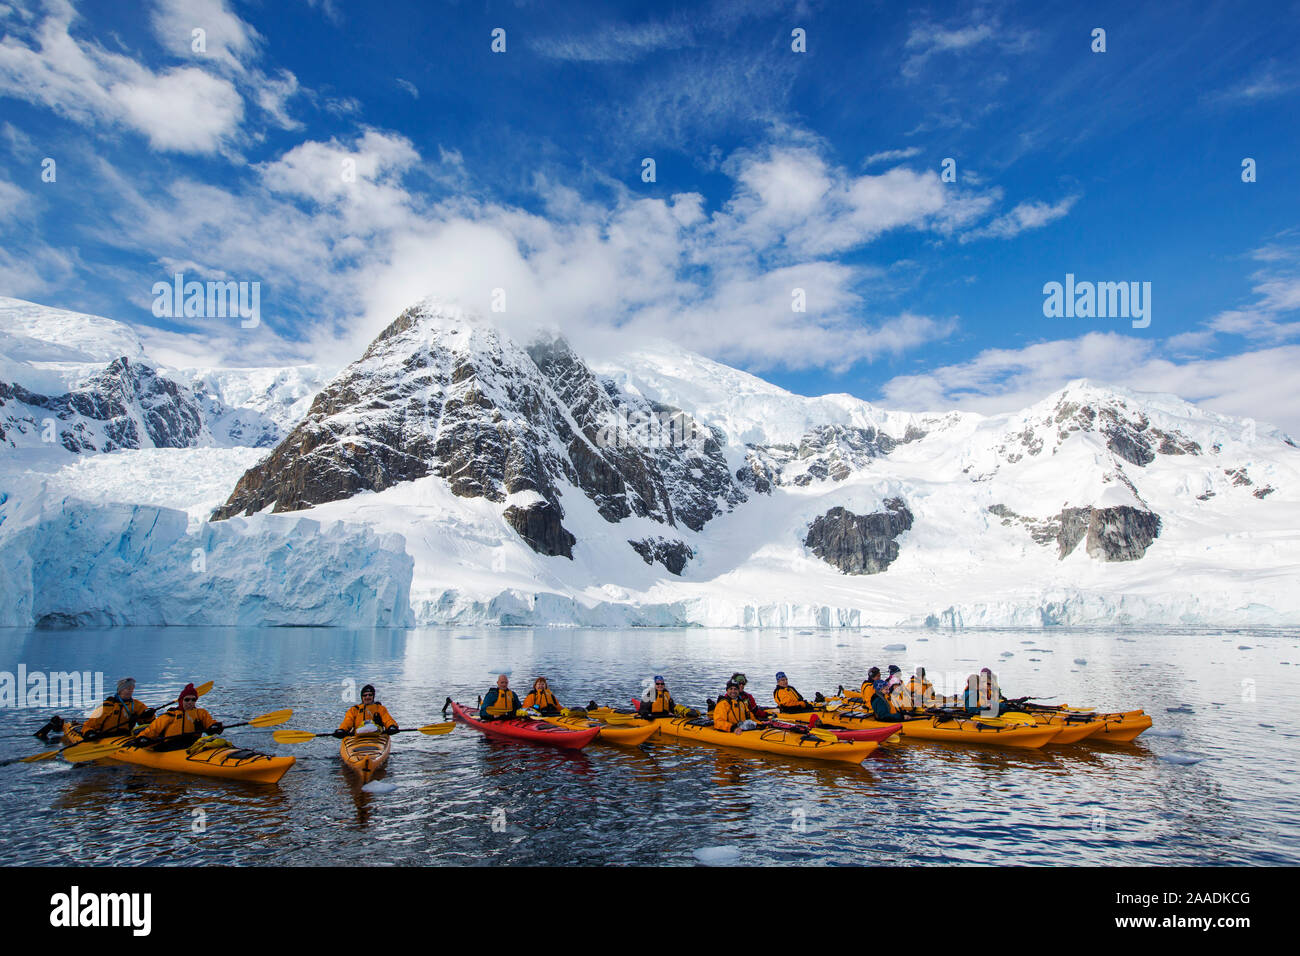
892 155
1260 384
409 87
614 42
194 108
184 110
1022 218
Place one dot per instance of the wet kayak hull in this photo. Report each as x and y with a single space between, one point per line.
365 754
228 763
542 732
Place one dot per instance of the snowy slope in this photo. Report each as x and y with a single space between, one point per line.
463 477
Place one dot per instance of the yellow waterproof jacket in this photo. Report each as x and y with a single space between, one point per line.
176 722
543 701
787 698
359 715
727 713
114 716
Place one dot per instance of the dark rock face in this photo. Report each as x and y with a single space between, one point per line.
127 405
672 554
1129 434
828 452
859 544
1121 533
540 526
438 394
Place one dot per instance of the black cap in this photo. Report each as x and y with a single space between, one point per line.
368 687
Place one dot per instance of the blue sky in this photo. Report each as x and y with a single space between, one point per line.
775 170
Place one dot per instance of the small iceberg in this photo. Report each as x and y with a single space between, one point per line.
1180 709
717 855
1006 654
1080 660
379 786
895 647
1181 759
1164 733
1244 647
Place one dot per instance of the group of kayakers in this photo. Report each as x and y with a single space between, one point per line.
886 695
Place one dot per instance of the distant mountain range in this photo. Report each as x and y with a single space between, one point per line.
452 474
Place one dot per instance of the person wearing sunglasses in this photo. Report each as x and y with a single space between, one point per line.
369 711
183 722
661 705
731 714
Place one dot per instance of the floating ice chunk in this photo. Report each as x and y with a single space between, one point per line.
1182 759
1080 660
1164 733
379 786
1244 647
717 855
895 647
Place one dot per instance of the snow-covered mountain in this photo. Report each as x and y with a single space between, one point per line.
452 474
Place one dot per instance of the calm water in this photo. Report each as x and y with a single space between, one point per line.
669 802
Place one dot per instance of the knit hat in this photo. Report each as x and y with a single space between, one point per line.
189 691
125 684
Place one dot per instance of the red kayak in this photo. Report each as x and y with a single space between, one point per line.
878 734
532 731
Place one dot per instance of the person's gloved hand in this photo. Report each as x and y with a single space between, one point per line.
215 728
149 714
818 698
139 742
340 734
391 730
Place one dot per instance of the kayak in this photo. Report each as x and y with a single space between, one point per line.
1121 727
985 731
532 731
631 733
365 754
1073 727
766 740
230 763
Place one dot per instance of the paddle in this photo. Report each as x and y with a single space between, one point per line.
272 719
302 736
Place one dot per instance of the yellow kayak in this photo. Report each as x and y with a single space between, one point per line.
630 733
766 740
985 731
365 754
232 763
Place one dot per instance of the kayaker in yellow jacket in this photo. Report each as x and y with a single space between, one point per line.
500 701
919 691
872 685
117 715
185 720
788 700
369 711
731 714
662 705
541 699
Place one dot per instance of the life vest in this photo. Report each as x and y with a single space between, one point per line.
113 716
179 722
500 704
868 690
546 701
727 713
663 704
359 715
920 692
788 698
